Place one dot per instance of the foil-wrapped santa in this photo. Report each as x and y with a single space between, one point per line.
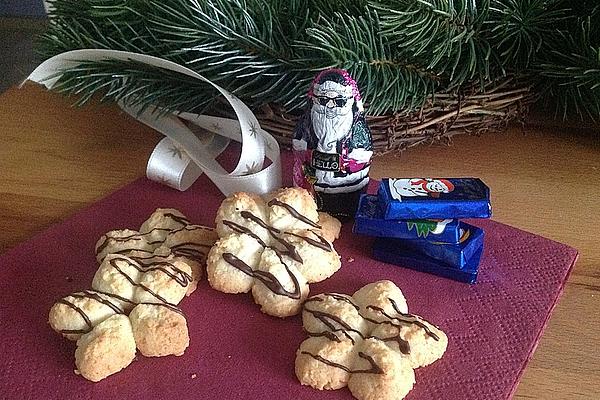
332 144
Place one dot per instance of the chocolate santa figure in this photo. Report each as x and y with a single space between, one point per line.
332 144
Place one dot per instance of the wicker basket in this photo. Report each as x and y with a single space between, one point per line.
472 110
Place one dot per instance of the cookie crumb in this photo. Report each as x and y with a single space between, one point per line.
68 279
350 259
194 376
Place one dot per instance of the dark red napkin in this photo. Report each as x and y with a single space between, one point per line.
236 352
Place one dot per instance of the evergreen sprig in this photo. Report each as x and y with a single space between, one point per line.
574 76
267 51
166 89
371 59
522 30
444 36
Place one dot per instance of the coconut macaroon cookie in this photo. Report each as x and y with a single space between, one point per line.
159 330
279 288
330 226
332 312
106 349
336 347
191 242
78 313
272 246
367 341
292 208
142 277
167 232
380 373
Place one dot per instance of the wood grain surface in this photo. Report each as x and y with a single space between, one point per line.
56 160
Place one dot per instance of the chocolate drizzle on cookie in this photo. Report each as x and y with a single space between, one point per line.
293 212
375 369
79 311
125 251
332 335
321 243
190 228
268 279
326 318
178 218
336 296
401 317
164 266
242 229
404 318
248 215
295 246
195 251
327 362
186 249
134 237
239 264
97 296
179 276
290 249
403 345
376 354
107 240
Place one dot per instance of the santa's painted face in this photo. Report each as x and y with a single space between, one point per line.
437 186
331 113
332 99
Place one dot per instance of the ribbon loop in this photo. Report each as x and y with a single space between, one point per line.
180 158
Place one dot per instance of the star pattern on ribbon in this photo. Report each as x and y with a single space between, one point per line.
176 152
253 129
252 168
216 126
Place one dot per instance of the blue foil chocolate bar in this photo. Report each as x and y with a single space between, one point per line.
425 198
389 252
456 255
369 221
455 261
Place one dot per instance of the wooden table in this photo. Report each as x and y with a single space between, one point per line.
55 160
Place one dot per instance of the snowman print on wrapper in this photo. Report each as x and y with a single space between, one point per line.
332 143
419 187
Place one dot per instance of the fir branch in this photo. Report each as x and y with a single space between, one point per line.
267 51
371 61
240 45
263 51
443 36
519 29
136 84
573 77
327 8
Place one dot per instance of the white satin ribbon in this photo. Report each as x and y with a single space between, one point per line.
184 154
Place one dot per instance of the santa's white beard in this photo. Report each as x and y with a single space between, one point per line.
330 130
